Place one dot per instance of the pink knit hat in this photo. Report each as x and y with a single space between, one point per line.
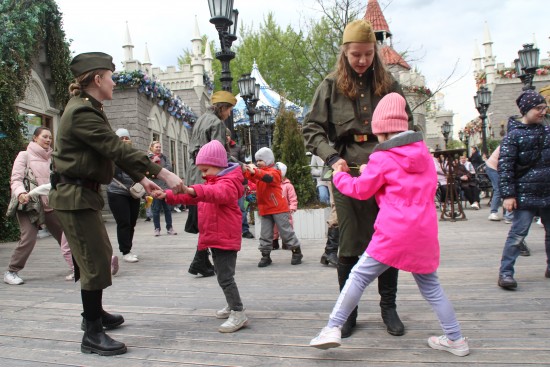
389 115
212 154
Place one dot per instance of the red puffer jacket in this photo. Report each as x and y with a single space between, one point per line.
220 217
269 193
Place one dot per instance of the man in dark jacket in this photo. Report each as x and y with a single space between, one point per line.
524 171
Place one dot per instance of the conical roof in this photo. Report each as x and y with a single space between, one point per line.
268 97
375 16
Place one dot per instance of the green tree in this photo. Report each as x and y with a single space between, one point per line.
26 26
292 152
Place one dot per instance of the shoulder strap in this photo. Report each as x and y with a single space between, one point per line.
120 184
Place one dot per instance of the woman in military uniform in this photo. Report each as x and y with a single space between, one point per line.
86 151
340 113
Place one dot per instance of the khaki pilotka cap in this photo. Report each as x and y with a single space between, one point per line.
359 30
224 97
89 61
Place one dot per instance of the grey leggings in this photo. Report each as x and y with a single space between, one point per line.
368 269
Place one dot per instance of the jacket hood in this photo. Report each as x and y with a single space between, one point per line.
408 151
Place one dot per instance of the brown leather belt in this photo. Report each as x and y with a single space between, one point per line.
89 184
365 137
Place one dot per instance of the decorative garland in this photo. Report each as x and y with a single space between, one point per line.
154 89
25 25
422 91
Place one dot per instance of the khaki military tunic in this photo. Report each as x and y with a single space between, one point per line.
338 125
86 149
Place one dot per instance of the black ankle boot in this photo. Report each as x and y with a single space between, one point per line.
96 341
330 256
387 288
393 323
201 264
350 323
265 260
296 256
109 321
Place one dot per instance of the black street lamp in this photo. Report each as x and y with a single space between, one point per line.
263 127
526 65
482 100
446 130
250 93
224 17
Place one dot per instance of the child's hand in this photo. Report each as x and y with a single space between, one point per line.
250 167
362 168
158 194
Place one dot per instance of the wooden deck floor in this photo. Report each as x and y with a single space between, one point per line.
170 314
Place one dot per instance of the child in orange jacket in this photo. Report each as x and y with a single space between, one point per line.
272 207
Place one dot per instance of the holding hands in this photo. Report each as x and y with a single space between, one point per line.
340 166
249 167
23 198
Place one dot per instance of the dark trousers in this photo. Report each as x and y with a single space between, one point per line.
225 262
125 210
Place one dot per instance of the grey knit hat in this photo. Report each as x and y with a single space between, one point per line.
266 155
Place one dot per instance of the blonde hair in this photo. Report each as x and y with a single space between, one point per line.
347 84
83 81
153 144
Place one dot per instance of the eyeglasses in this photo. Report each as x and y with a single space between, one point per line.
124 138
540 108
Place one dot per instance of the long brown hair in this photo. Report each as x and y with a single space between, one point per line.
347 84
217 108
83 81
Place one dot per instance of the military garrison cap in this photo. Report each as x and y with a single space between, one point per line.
89 61
225 97
359 30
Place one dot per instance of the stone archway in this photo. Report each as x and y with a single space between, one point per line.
36 106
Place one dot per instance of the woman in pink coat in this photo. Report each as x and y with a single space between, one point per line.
401 176
37 158
219 220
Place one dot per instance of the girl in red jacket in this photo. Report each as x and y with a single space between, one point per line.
272 206
219 222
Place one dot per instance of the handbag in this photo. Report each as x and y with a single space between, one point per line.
137 191
29 182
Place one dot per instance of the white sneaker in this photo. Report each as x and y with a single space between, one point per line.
130 258
223 313
494 217
177 210
70 277
11 277
475 206
458 347
329 337
236 320
539 222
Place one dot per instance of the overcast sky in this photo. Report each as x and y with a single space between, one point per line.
437 33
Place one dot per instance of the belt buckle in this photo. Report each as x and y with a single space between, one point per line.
361 138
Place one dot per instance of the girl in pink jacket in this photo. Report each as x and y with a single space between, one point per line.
401 176
289 193
219 220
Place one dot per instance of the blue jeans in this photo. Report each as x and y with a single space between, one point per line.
245 227
495 202
519 230
324 195
157 205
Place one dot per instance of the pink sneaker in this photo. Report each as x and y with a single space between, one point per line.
157 232
172 232
114 265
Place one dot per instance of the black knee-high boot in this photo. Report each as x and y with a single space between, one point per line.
330 256
95 340
345 264
387 288
201 264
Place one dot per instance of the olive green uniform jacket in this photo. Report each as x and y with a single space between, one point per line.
87 148
329 129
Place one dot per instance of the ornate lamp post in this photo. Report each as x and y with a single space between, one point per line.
482 100
224 17
446 130
250 93
263 125
527 64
